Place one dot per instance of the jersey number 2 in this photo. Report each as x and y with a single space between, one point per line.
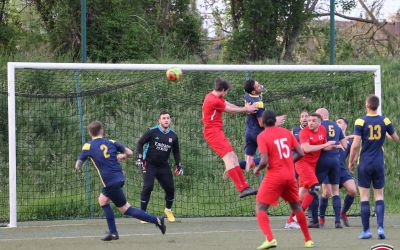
104 148
374 132
283 148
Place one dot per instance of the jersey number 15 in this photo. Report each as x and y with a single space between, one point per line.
283 148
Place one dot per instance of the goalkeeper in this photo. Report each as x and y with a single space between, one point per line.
153 161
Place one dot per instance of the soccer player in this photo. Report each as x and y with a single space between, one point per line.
105 155
276 145
313 140
370 132
160 140
213 106
346 180
303 123
328 166
254 124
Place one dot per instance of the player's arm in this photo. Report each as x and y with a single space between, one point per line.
299 153
177 157
355 147
390 130
263 163
313 148
393 137
143 140
125 155
232 108
82 157
78 165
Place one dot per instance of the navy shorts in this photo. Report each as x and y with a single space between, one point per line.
344 176
251 142
371 172
115 193
328 167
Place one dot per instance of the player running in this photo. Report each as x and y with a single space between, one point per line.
370 131
213 106
105 155
275 146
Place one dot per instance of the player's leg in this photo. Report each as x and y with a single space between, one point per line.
112 233
378 183
364 183
291 223
347 181
334 179
263 223
164 177
148 184
250 149
323 201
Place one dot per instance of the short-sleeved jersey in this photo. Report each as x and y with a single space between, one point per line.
333 133
313 138
252 119
344 154
103 154
372 129
213 107
296 131
278 143
158 144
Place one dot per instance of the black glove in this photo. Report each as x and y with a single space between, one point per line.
140 163
179 169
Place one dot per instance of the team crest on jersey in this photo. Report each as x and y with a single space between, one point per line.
320 137
169 140
382 247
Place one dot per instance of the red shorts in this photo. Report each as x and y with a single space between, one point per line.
272 188
217 141
307 177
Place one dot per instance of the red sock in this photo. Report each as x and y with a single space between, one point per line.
263 222
307 200
290 220
301 219
242 177
233 174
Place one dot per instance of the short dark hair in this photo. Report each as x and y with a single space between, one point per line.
316 115
164 112
373 102
249 85
221 84
345 121
94 128
269 118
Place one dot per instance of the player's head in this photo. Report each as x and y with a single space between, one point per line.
164 119
303 118
323 112
314 120
222 86
269 118
372 102
342 123
95 129
253 87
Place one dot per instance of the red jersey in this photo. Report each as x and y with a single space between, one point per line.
314 138
278 143
213 107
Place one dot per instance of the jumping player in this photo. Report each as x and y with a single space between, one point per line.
276 145
213 106
370 131
105 155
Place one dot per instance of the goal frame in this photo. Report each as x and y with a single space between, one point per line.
12 66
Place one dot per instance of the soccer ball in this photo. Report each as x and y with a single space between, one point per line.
174 74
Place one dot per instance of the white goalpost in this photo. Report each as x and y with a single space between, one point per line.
12 67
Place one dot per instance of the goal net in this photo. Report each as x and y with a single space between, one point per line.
50 105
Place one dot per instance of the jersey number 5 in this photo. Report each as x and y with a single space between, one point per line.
374 132
104 148
283 148
331 131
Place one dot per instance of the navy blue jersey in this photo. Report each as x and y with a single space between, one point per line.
345 154
251 119
158 145
103 153
372 129
296 131
333 133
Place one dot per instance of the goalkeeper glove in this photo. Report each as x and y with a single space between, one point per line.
140 164
179 169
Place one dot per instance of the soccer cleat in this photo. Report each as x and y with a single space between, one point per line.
169 214
381 233
143 222
268 244
365 235
248 191
345 219
110 236
161 225
321 222
292 225
338 225
309 244
313 225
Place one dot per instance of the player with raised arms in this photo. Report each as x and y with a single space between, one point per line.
370 132
276 145
105 155
213 106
